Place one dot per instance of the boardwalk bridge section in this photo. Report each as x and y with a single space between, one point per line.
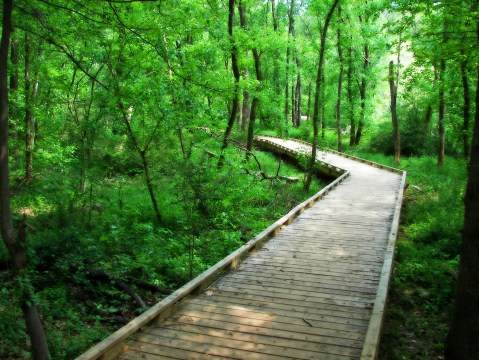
311 286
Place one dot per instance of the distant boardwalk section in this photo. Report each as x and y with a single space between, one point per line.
311 286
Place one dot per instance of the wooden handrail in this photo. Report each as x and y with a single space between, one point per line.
352 157
373 335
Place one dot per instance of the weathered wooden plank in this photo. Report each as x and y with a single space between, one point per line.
214 330
309 282
287 317
267 345
295 309
371 343
306 292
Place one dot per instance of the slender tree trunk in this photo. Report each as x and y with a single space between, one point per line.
288 56
466 110
340 81
309 102
309 177
277 88
245 110
461 343
393 87
84 162
256 101
16 245
15 59
362 94
427 121
296 89
259 76
323 107
236 74
442 111
149 185
29 119
182 142
297 120
352 120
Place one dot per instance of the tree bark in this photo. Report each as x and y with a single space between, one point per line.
14 76
323 107
245 110
29 119
256 101
236 74
442 111
259 78
352 120
393 87
16 244
309 176
461 343
340 82
309 102
362 94
288 56
466 111
277 88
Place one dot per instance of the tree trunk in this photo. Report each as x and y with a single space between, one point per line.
309 176
352 120
396 135
149 185
442 110
288 55
466 111
245 110
309 102
15 59
29 119
297 98
256 101
427 121
236 74
362 93
277 88
16 245
340 82
461 343
323 107
259 77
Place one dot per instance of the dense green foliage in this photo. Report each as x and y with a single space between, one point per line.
118 113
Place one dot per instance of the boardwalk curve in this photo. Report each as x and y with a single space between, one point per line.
314 289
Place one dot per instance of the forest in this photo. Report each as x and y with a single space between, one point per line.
127 162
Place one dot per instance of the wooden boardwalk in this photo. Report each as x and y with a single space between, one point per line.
315 290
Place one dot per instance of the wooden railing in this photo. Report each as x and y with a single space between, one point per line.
321 167
373 335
